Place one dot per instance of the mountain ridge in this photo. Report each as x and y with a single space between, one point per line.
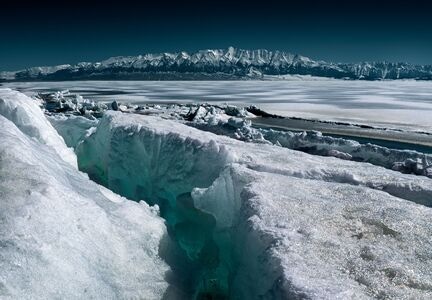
218 64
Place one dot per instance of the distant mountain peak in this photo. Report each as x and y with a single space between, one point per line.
214 64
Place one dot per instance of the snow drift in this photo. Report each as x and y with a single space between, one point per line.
62 235
27 116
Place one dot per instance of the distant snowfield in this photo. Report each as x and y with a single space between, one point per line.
402 104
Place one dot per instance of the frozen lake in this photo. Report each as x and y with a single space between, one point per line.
402 104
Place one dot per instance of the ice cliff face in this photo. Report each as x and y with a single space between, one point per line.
285 224
217 64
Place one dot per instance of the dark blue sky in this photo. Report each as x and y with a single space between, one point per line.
47 33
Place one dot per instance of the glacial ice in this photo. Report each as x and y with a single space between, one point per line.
63 236
285 223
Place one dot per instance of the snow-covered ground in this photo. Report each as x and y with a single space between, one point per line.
404 104
248 217
62 236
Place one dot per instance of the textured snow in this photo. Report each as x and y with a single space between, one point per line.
296 238
288 224
28 117
63 236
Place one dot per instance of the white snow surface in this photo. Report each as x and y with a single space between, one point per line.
63 236
300 225
28 117
324 240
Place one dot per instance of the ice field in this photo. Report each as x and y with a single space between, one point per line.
192 202
403 104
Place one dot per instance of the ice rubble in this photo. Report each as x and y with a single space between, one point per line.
223 121
62 235
64 101
286 224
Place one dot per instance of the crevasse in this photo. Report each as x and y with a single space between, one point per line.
163 170
243 214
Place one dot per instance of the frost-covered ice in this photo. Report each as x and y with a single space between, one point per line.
64 101
406 161
288 224
62 235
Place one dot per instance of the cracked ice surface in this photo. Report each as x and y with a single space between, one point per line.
299 225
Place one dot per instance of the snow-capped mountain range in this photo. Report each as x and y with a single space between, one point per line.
219 64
